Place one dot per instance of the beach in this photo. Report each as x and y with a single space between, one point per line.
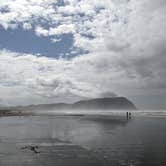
107 139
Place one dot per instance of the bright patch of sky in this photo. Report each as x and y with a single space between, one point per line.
63 27
19 40
27 31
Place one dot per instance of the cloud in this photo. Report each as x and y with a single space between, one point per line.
125 41
27 26
61 29
77 17
41 31
45 78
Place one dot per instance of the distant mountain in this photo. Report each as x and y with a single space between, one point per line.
118 103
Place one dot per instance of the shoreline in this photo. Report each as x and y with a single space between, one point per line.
87 113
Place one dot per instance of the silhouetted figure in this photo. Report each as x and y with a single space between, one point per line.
129 115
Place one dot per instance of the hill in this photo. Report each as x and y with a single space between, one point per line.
117 103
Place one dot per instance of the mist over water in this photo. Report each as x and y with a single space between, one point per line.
144 113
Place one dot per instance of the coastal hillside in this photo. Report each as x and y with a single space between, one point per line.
105 104
117 103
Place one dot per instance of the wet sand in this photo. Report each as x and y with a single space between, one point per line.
85 140
21 145
61 155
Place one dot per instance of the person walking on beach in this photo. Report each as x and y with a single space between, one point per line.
127 115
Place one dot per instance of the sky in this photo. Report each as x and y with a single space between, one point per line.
68 50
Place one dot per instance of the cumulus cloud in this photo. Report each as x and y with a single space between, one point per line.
125 40
77 17
46 78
